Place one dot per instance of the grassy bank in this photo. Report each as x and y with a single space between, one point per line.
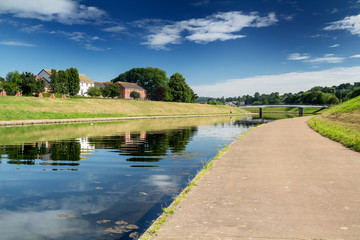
340 123
30 108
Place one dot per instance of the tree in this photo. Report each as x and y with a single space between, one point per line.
94 91
63 82
179 90
162 93
149 78
28 84
112 91
135 95
73 81
14 77
54 83
10 88
2 79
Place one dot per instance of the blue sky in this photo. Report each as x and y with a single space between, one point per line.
222 47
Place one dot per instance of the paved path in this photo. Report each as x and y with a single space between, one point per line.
281 181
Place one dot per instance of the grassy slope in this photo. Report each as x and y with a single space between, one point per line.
22 108
340 123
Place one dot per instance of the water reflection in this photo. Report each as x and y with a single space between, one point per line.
101 185
141 147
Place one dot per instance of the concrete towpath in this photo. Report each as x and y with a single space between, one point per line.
282 181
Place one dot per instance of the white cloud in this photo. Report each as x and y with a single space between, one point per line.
298 56
89 46
355 56
64 11
84 39
31 29
16 44
283 83
200 3
350 23
114 29
335 45
327 58
221 26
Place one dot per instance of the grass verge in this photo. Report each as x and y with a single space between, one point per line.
170 210
340 123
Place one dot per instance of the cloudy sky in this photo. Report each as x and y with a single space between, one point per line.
222 47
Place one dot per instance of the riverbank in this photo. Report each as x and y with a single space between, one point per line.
31 108
292 184
92 120
340 123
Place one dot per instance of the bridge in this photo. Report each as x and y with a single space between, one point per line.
301 108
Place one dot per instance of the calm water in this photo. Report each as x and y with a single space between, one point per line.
103 181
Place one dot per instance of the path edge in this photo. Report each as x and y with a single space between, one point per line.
167 212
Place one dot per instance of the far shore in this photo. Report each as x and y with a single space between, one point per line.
108 119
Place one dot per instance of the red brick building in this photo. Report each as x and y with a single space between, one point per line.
127 88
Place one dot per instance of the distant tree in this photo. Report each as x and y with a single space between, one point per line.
94 91
214 102
73 81
179 90
14 77
353 94
149 78
28 84
194 96
135 95
63 81
54 83
40 86
112 91
2 79
162 93
10 88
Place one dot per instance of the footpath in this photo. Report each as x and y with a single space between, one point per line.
282 181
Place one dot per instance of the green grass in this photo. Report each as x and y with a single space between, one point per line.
340 123
30 108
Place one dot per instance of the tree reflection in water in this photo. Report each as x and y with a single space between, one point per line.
140 147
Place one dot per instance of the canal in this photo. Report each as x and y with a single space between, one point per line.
101 180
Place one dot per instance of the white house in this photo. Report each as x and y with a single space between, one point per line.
85 82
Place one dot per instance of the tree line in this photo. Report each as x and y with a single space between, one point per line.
24 83
65 81
316 95
158 86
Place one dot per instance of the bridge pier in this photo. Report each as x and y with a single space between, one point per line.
301 111
260 113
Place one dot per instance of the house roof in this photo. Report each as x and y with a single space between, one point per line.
84 78
47 71
128 85
99 84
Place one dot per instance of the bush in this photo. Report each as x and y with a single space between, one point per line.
135 95
112 91
94 92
